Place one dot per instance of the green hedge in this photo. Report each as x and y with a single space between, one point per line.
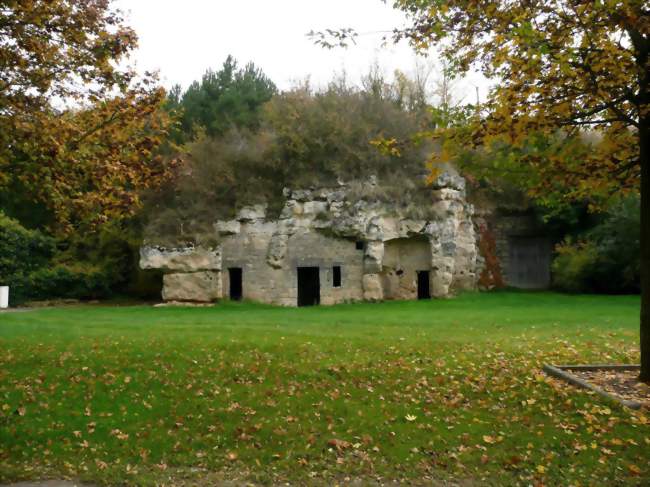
21 250
59 282
29 265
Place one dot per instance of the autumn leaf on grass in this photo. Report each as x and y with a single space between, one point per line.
410 418
634 470
119 434
340 445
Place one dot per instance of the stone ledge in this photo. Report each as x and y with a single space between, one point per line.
180 260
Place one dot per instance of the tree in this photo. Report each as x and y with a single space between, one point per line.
57 48
563 68
230 97
86 166
84 163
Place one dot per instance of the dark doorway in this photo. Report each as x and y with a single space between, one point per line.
424 292
308 286
235 275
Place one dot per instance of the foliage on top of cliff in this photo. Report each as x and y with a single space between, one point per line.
306 139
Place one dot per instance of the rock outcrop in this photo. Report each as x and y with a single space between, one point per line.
189 259
274 247
203 287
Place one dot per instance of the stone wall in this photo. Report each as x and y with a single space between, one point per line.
278 283
369 240
403 258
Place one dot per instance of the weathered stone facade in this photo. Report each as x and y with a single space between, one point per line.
524 247
358 250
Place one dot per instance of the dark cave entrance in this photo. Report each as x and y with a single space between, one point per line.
308 286
236 288
424 291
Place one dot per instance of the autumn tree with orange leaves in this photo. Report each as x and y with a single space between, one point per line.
78 134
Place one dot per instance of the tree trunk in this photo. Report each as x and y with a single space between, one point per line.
644 134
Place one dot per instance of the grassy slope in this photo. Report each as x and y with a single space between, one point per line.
408 390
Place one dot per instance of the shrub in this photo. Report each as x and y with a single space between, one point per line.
21 250
87 266
491 276
60 282
606 258
305 139
574 265
107 263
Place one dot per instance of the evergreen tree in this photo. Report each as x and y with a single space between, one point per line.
230 97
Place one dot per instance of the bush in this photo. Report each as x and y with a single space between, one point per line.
574 265
606 258
21 250
60 282
106 262
88 266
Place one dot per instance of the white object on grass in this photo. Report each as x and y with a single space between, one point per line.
4 297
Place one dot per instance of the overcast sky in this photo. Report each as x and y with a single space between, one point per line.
182 38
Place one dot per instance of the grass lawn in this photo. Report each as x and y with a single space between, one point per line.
415 391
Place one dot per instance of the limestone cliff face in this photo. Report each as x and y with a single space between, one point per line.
319 226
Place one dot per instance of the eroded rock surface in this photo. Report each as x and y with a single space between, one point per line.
192 286
324 228
180 260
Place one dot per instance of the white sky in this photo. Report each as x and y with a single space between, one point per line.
183 38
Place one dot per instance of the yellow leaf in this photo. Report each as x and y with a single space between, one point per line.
634 469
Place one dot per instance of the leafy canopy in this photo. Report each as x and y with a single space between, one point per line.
562 68
85 164
58 48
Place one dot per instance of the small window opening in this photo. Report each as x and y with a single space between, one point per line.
359 245
336 276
